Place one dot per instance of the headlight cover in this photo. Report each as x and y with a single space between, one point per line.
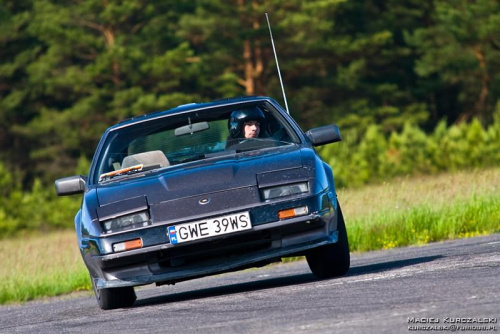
285 190
137 219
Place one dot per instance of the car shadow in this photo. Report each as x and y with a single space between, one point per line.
389 265
271 283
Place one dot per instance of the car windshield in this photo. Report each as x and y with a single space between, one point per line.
190 136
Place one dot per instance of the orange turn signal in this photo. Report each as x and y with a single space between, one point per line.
294 212
127 245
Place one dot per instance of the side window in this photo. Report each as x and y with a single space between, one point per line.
275 129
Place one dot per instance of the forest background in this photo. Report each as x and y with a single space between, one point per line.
414 85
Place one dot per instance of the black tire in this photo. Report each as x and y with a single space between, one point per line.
331 260
109 299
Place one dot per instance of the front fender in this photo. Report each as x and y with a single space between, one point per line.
78 228
329 176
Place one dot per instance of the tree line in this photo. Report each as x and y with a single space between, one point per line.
70 69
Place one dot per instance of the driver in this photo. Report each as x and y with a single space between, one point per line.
245 124
251 129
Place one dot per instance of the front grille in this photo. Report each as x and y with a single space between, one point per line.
210 251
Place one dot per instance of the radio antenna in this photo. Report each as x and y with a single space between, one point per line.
277 65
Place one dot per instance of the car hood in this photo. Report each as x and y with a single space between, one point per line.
200 177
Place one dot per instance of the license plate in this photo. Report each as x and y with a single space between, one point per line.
209 227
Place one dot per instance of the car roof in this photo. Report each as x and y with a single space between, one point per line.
188 107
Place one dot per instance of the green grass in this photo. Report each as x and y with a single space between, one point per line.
405 211
477 215
413 211
41 265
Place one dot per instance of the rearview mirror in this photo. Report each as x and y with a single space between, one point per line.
324 135
71 185
191 128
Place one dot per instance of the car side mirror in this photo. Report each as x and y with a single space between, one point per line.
324 135
71 185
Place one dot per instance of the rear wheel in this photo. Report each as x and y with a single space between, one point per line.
108 299
331 260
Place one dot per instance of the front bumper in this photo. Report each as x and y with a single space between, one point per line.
167 264
164 263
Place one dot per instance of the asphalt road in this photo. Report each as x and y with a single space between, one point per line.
384 292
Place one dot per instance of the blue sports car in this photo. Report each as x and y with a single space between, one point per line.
203 189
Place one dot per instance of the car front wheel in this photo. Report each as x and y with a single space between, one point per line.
331 260
108 299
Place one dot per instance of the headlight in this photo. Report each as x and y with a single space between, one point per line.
138 219
285 190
